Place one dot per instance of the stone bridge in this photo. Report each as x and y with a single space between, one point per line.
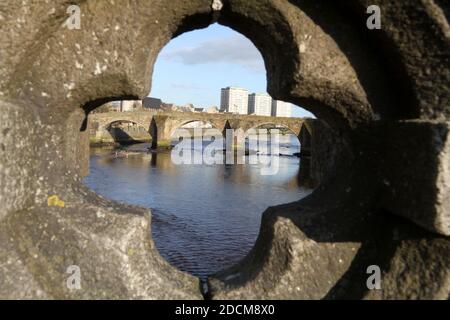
162 125
382 210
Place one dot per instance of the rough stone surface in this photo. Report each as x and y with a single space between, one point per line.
110 243
384 196
416 145
324 254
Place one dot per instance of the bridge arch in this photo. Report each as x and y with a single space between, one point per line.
112 123
126 131
185 122
163 126
121 119
295 130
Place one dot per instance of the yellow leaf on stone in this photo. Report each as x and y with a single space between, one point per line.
54 201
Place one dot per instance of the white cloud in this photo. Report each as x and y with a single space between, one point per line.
233 50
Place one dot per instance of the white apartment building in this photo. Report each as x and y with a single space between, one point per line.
281 109
260 104
126 105
234 100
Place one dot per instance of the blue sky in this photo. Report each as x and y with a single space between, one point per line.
193 67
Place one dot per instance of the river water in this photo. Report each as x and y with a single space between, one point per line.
204 217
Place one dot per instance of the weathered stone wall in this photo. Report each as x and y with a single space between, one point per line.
328 151
384 93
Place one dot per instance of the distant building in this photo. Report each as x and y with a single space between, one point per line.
168 107
126 105
260 104
212 110
152 103
113 106
188 107
234 100
281 109
198 109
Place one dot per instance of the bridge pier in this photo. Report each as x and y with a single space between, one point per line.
305 142
161 131
234 138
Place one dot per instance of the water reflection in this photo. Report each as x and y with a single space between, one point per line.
205 217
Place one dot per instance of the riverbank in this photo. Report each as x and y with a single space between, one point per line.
97 143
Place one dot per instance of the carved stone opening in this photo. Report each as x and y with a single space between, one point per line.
378 93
